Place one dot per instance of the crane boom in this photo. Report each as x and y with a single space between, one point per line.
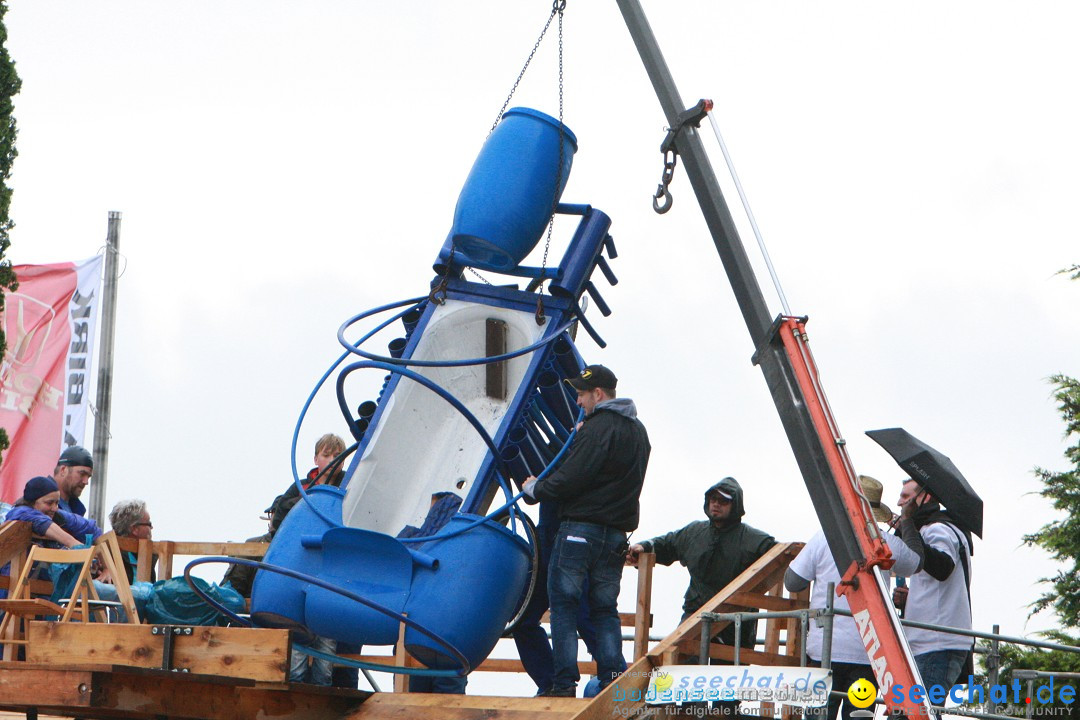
783 354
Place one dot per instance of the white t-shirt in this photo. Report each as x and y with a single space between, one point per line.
815 563
940 603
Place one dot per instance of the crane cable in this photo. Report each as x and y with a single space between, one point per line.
749 213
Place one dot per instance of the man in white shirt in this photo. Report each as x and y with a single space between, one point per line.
815 564
939 593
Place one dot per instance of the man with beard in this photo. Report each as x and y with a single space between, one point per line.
715 551
940 593
72 474
597 486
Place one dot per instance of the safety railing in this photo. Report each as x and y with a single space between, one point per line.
991 650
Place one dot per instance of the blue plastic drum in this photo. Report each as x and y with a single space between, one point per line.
511 190
276 600
472 594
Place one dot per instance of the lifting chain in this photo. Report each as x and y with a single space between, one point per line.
438 292
558 6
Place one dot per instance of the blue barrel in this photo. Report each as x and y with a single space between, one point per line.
511 190
470 596
276 600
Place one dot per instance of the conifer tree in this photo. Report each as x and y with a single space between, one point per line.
9 87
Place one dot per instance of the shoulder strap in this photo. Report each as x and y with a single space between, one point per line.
963 558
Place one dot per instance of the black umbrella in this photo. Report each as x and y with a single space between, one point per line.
930 468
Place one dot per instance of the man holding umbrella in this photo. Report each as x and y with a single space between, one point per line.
947 511
939 593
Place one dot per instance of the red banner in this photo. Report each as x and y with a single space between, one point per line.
44 377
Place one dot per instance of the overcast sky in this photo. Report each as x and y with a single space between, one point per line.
282 166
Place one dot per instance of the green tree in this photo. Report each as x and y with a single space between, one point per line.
9 88
1060 538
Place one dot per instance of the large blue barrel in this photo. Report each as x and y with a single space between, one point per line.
511 190
276 600
472 594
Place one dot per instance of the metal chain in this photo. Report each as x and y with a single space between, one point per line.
661 201
438 293
558 6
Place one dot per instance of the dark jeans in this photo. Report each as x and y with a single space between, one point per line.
594 553
346 677
531 640
941 667
843 675
442 685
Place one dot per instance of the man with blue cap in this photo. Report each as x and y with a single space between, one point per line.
72 474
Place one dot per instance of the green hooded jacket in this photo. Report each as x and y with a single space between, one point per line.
714 556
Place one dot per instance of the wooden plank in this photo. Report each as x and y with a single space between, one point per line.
625 619
135 693
255 654
37 587
772 638
423 706
110 554
761 574
30 607
67 688
165 561
514 665
143 561
746 655
745 600
643 619
232 549
237 549
14 540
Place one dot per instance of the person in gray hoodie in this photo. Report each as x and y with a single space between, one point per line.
715 551
597 486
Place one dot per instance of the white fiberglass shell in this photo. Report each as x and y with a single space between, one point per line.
421 444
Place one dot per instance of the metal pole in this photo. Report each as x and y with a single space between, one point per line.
775 365
993 663
827 627
706 637
105 372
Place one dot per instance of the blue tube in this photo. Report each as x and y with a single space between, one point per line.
318 386
354 348
545 418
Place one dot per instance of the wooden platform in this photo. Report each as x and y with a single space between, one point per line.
107 672
117 691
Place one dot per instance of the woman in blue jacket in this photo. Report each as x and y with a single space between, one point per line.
40 506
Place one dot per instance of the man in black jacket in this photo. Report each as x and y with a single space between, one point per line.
597 487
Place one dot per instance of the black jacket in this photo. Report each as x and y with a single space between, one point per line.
714 555
599 481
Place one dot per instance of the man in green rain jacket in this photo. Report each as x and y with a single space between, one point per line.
715 551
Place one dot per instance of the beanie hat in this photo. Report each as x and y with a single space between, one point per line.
38 487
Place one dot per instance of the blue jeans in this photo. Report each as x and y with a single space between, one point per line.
941 667
532 643
320 671
584 551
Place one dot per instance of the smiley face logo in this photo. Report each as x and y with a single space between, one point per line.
662 682
862 693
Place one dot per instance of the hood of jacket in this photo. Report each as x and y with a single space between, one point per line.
622 406
728 486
